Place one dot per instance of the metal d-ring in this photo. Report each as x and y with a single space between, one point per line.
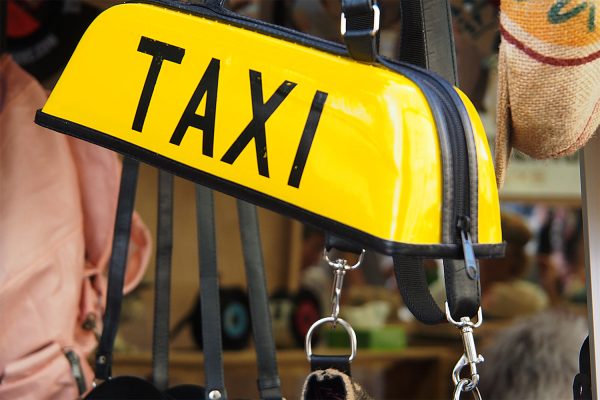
345 324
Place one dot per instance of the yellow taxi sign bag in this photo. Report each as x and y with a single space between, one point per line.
386 154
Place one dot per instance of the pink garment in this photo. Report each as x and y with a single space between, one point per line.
58 200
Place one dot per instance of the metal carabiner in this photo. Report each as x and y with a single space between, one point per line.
470 356
340 267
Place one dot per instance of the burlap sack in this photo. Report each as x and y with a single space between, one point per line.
549 78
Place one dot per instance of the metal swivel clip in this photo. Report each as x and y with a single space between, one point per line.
469 358
340 267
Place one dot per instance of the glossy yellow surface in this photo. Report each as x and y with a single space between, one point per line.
374 164
489 207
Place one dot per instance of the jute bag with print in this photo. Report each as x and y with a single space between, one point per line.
549 78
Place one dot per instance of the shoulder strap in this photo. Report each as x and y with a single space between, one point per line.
162 285
117 265
209 295
462 291
269 385
427 40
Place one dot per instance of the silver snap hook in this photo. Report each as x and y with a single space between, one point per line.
470 356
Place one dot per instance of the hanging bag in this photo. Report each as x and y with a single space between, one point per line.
548 78
380 154
278 118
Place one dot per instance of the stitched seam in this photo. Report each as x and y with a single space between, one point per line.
580 138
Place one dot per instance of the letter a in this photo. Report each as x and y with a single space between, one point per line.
208 86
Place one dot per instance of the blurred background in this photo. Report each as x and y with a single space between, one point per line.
539 284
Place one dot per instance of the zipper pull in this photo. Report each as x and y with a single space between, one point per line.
464 225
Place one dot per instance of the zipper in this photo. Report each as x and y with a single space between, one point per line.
462 183
439 93
457 139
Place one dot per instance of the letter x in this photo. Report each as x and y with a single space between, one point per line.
255 129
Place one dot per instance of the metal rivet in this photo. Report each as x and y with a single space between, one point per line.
102 360
214 395
89 324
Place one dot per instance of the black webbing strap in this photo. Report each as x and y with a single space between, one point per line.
269 385
323 362
427 38
462 292
412 283
209 295
582 384
117 265
162 285
360 21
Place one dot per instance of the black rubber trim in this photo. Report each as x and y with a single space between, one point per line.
261 199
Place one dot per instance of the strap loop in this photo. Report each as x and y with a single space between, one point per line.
462 292
359 26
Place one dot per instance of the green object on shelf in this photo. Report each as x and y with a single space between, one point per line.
382 338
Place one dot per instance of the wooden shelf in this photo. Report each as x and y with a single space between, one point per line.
419 372
295 357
